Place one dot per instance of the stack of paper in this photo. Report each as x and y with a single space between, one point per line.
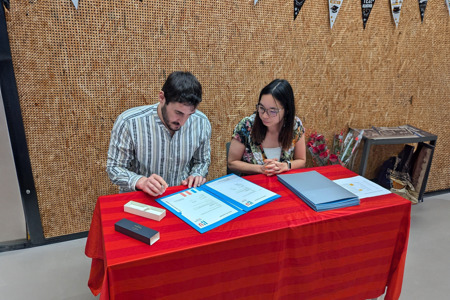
319 192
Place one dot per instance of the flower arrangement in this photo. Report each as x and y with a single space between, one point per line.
342 151
321 155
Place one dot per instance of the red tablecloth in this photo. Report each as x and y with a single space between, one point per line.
281 250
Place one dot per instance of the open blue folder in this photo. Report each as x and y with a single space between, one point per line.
216 202
319 192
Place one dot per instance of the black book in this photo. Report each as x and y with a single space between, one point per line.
137 231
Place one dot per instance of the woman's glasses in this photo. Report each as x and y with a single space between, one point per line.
271 112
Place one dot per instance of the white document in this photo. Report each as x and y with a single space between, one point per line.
199 208
240 190
362 187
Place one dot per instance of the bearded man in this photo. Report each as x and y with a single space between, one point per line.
164 144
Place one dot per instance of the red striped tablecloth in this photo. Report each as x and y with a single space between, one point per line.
281 250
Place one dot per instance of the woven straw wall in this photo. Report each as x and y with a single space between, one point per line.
76 70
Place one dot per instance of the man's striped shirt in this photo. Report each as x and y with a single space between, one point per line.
141 145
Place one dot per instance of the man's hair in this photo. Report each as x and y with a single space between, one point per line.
282 91
182 87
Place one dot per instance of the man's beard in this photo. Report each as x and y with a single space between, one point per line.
167 121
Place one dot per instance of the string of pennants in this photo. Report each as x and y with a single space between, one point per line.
366 7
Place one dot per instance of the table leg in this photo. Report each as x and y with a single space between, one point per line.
364 158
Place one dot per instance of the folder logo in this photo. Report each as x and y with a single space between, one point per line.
202 224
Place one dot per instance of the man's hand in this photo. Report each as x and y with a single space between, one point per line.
194 181
153 185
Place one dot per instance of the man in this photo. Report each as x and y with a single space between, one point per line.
165 144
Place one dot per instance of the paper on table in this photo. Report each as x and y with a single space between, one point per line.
240 190
362 187
199 208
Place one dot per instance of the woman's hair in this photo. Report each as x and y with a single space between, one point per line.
281 90
182 87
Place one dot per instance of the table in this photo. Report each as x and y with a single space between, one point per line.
281 250
426 137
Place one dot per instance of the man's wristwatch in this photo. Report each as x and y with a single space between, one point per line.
289 164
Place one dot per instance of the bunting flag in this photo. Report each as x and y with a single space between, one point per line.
297 6
422 6
333 7
448 6
366 6
75 3
396 7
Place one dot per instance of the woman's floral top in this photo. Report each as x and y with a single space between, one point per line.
253 153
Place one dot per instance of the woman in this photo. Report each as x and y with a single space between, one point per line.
272 140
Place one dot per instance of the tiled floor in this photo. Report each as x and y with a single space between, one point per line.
427 271
60 271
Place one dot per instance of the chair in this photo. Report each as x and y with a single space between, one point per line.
227 145
228 170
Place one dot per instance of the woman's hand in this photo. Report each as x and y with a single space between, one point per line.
273 166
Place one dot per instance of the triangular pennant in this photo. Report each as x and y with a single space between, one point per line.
333 7
396 7
366 6
297 6
75 3
448 6
422 6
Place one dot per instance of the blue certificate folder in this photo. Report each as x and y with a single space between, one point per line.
216 202
319 192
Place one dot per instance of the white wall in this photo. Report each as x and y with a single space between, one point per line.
12 218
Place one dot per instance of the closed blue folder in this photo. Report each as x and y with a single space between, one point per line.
319 192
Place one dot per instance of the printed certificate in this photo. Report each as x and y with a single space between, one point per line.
200 209
240 192
362 187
